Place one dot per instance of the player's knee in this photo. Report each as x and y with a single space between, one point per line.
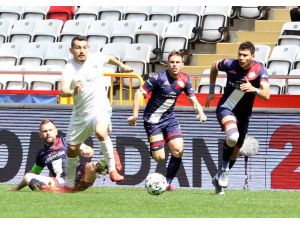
177 152
28 177
158 156
232 139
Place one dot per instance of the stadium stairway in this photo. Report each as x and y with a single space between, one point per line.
258 31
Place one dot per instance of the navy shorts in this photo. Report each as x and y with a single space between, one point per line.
162 132
242 123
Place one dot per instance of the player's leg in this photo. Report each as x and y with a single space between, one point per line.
71 164
156 141
229 124
102 129
79 130
174 139
41 183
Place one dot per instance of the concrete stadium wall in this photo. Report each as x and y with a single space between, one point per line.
276 166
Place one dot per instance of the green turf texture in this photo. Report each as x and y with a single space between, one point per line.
130 202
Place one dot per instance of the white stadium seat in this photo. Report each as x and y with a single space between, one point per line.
12 13
123 31
99 32
5 28
87 13
57 53
111 13
152 33
35 12
72 28
33 53
47 30
9 54
214 24
22 31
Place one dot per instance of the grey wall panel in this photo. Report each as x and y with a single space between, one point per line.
274 166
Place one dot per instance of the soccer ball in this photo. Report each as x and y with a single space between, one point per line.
155 184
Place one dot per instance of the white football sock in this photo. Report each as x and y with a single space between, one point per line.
107 150
71 170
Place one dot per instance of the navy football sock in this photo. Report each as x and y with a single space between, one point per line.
173 167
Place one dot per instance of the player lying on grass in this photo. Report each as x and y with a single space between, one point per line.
53 156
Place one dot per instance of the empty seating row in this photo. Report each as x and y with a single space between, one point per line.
158 34
33 12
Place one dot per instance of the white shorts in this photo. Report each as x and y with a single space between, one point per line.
80 129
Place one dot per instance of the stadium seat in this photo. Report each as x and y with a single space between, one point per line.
115 49
290 34
151 32
246 12
35 12
41 81
5 28
12 13
277 86
123 31
176 38
99 32
262 53
9 54
72 28
13 81
214 24
282 57
137 13
165 13
111 13
57 53
47 30
33 54
87 13
293 85
22 31
137 56
62 13
203 87
192 14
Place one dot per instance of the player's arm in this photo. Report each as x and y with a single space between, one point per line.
114 61
69 88
212 82
198 109
262 92
136 106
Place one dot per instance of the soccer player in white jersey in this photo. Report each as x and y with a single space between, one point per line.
83 79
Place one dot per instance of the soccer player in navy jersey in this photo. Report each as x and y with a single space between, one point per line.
53 156
159 121
246 78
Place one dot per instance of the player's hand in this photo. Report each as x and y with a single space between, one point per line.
126 69
132 120
210 97
247 87
201 116
78 87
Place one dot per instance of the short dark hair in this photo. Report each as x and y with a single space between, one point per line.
174 52
45 121
247 45
78 38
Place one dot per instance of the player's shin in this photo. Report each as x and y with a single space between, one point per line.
71 165
108 152
173 167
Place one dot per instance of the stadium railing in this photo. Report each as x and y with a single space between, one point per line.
69 100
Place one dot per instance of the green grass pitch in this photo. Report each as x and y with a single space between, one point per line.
131 202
